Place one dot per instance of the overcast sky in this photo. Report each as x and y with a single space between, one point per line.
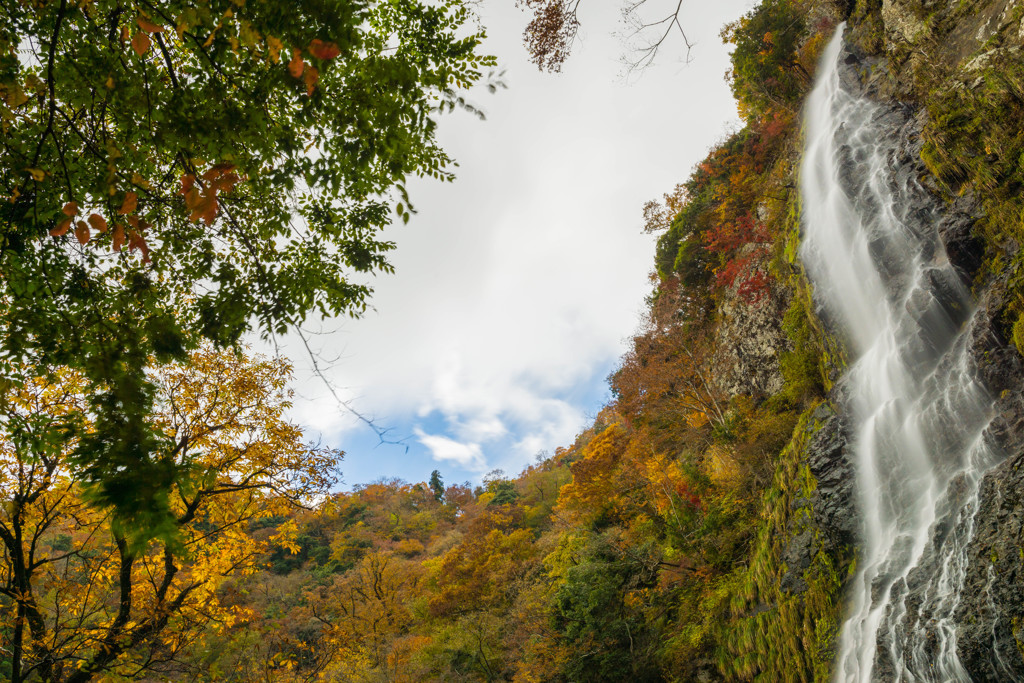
517 285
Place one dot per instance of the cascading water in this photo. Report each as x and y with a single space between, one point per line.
880 271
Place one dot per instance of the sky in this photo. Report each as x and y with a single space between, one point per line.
517 287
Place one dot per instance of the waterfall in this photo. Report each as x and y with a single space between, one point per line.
920 448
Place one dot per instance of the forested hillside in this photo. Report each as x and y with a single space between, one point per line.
701 529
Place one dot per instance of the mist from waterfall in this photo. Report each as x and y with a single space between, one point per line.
881 275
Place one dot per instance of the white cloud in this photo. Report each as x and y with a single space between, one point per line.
467 456
479 429
521 280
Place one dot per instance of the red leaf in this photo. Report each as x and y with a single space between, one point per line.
137 241
70 209
192 198
202 202
141 43
225 183
205 208
217 171
323 50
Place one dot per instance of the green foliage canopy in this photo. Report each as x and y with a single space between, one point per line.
766 72
194 169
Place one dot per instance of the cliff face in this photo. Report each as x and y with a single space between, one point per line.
750 341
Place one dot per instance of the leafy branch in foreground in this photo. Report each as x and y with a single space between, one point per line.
190 170
550 35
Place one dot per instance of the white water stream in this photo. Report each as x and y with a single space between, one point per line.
880 272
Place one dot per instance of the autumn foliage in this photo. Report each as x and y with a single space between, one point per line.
642 551
83 599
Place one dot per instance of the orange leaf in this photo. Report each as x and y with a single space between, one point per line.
187 181
131 200
82 232
70 209
323 50
148 26
296 66
192 198
61 228
118 236
141 43
217 171
226 182
205 208
98 222
312 75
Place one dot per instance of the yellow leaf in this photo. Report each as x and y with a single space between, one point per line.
274 46
110 83
36 174
247 35
137 179
209 41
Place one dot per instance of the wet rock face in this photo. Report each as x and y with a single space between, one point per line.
991 613
990 616
832 504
